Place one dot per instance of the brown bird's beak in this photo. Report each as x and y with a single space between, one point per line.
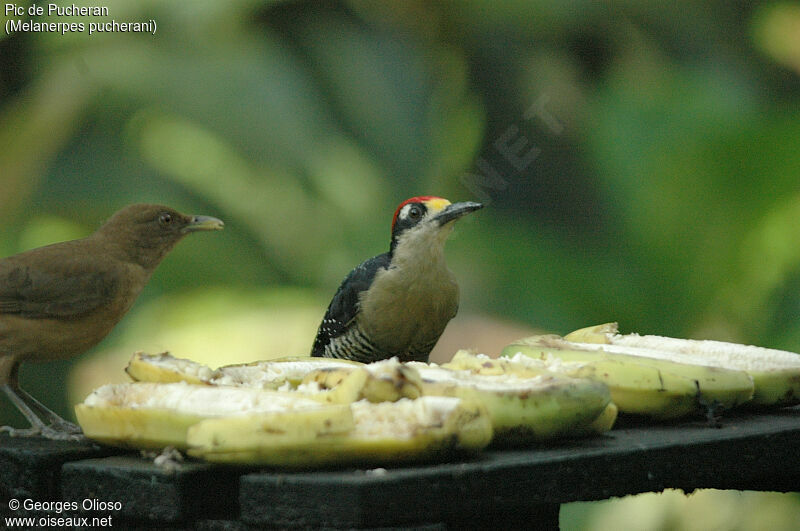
204 223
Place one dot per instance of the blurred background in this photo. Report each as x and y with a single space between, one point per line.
640 163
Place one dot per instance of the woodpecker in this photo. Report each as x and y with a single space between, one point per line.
397 303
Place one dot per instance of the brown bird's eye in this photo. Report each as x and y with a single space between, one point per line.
165 219
414 212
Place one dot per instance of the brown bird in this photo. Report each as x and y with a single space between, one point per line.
61 300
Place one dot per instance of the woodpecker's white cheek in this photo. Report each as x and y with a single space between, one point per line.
404 211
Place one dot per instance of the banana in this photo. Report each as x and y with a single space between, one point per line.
643 382
270 374
317 378
775 373
640 389
636 388
388 380
592 334
464 360
383 433
125 427
341 412
273 374
605 421
164 368
523 409
154 415
255 426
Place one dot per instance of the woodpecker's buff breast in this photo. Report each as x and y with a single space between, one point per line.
397 303
409 304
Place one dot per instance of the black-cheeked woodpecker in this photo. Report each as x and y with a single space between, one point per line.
397 303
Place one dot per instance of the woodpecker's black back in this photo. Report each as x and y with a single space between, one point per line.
345 304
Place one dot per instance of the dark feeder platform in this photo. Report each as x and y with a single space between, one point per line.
499 488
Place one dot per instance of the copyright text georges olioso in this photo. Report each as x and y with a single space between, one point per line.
60 514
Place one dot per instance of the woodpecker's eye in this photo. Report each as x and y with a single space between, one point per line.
415 212
165 219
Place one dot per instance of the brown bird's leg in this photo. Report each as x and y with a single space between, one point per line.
33 410
53 420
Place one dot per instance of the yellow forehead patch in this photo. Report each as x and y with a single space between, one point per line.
436 204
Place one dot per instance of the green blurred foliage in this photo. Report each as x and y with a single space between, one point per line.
672 510
640 160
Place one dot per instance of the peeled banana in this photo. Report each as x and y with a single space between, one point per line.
775 373
642 381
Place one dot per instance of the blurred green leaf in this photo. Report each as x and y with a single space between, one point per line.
776 32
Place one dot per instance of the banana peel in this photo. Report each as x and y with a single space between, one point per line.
775 373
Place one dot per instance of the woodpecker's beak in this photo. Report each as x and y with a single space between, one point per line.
455 211
204 223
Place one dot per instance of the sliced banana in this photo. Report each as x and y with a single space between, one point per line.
317 378
642 381
255 426
269 374
154 415
165 368
523 407
525 367
775 373
382 433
